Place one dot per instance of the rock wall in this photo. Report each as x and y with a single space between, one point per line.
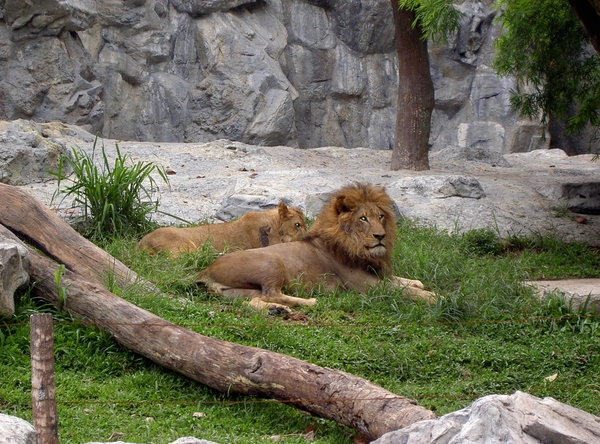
301 73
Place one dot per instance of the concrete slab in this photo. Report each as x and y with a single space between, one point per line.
576 291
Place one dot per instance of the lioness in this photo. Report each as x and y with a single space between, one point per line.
253 230
349 246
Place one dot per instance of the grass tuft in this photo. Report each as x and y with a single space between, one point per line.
115 200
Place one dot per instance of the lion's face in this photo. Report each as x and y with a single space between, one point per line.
368 223
358 224
291 225
293 228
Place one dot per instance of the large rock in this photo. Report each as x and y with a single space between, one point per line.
516 419
439 187
15 430
576 196
301 73
27 153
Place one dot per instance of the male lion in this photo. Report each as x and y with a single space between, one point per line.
253 230
349 246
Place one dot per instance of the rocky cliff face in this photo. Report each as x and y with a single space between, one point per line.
301 73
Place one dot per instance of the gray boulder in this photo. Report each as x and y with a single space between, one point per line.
27 153
575 196
15 430
471 154
439 187
516 419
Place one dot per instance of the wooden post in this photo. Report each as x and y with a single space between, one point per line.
43 390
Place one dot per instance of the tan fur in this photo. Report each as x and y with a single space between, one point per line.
350 246
253 230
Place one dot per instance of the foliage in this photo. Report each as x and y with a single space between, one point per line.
489 334
61 291
115 201
546 49
437 18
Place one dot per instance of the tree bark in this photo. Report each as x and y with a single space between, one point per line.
43 387
415 94
33 222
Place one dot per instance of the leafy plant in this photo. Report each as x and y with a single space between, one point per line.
114 200
438 18
545 48
61 290
482 241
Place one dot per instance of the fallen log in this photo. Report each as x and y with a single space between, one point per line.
228 367
33 222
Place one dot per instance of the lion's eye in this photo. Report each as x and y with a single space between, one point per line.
363 218
381 217
297 224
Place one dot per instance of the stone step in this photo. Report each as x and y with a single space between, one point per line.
575 291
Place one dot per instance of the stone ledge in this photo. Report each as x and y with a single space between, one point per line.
575 291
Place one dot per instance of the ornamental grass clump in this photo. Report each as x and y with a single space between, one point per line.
114 200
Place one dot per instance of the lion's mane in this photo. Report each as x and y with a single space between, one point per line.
336 227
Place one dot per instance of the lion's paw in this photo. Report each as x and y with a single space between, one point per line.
401 282
272 308
278 310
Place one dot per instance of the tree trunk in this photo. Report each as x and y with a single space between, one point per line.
415 94
33 222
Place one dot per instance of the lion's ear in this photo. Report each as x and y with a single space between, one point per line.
340 205
283 209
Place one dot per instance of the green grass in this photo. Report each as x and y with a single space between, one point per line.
488 335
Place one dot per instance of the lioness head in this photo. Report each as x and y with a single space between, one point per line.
358 225
291 225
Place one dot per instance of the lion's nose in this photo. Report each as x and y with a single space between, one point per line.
379 236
